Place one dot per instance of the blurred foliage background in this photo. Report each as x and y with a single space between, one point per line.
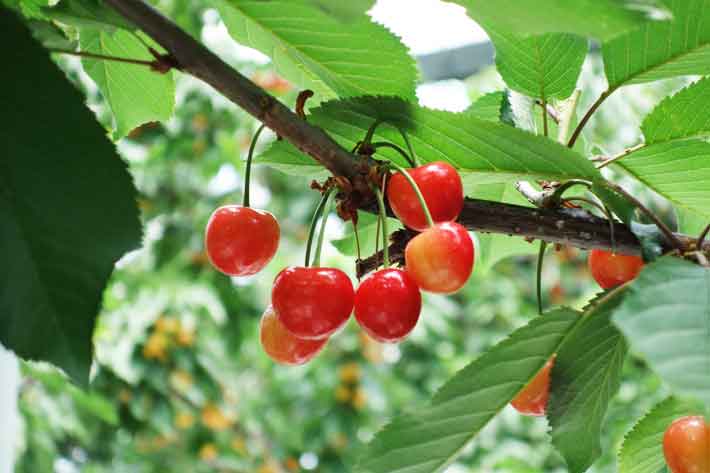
180 382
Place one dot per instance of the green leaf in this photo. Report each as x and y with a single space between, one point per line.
683 115
366 227
545 66
488 107
586 375
660 50
135 93
666 319
642 450
691 223
430 438
678 170
344 11
318 52
87 14
483 151
67 207
286 158
600 19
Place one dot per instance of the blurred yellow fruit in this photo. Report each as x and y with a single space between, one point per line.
214 418
239 444
359 399
270 466
350 373
184 420
185 337
167 324
156 347
200 122
342 393
371 349
208 452
181 380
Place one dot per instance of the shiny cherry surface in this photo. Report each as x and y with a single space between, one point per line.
441 187
312 303
610 269
686 445
281 345
240 241
532 400
387 305
440 259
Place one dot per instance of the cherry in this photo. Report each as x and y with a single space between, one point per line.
532 400
441 187
313 302
240 240
440 259
611 269
281 345
387 305
686 445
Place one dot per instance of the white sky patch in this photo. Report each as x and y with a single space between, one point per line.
449 95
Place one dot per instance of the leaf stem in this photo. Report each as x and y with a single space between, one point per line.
624 153
387 144
418 192
139 62
545 128
247 173
312 228
540 259
583 122
321 235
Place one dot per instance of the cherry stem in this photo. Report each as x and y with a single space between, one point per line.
321 235
540 259
409 147
385 232
312 229
418 192
247 174
103 57
370 133
583 122
357 240
386 144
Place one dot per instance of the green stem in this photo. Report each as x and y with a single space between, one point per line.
385 233
321 235
540 259
409 147
102 57
371 132
545 127
247 174
386 144
312 229
418 192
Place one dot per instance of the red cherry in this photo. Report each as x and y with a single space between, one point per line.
611 269
387 305
281 345
312 303
441 187
240 241
686 445
440 259
532 400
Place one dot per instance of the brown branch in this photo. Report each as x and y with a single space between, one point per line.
587 116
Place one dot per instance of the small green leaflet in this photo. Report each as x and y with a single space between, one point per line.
678 170
63 228
136 94
428 439
482 150
316 51
660 50
545 66
642 450
586 375
666 319
683 115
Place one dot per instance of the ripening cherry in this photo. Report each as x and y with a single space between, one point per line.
314 302
387 305
532 400
611 269
440 259
240 240
281 345
686 445
441 187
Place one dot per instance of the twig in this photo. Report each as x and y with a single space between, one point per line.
103 57
617 157
583 122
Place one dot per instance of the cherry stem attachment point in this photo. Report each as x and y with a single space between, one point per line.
418 192
321 235
387 144
247 173
312 228
385 233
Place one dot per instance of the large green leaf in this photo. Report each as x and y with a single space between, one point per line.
642 450
678 170
316 51
545 66
660 50
135 93
67 210
344 11
666 319
683 115
430 438
601 19
482 150
586 375
87 14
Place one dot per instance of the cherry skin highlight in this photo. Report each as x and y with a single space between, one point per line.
387 305
312 303
532 400
611 270
441 187
282 346
240 241
440 259
686 445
